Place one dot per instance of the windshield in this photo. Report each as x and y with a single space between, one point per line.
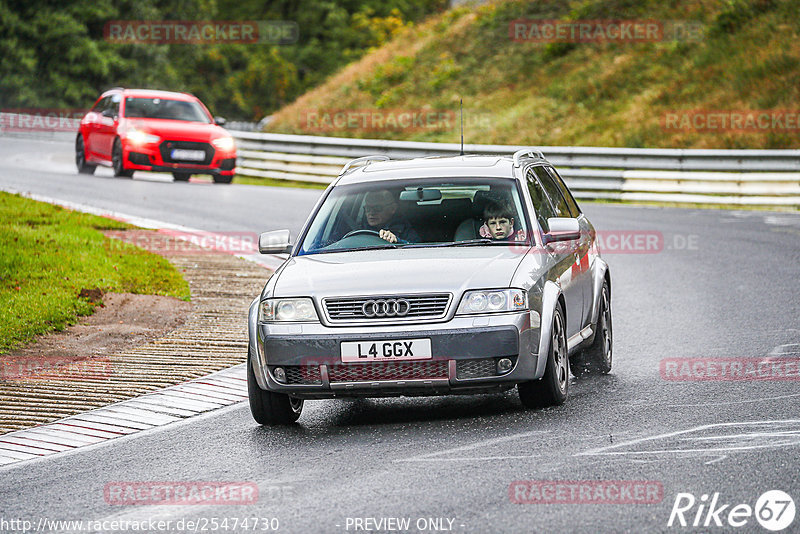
419 213
162 108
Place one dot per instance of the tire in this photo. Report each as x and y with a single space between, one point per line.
597 358
181 176
117 162
552 389
218 179
270 408
80 157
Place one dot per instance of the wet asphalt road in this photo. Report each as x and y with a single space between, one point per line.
724 285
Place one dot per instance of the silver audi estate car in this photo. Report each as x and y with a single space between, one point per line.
432 276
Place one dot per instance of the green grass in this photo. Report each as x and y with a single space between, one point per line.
48 254
575 94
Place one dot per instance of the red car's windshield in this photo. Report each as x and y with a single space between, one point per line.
162 108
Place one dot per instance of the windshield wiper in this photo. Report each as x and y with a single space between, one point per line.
470 242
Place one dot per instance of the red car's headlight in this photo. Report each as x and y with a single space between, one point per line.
225 144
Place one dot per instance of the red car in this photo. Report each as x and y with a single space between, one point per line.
142 130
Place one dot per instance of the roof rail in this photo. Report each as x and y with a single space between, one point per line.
525 152
365 160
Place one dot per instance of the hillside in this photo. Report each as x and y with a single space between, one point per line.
741 63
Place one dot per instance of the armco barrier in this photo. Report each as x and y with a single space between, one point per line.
734 177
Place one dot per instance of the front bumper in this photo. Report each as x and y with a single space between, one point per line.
150 157
464 355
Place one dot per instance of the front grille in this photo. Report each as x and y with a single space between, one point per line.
425 370
476 368
420 306
167 147
302 374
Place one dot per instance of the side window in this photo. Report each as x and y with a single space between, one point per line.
573 206
113 103
540 202
560 205
100 105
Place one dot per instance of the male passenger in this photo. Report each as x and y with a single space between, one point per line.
499 223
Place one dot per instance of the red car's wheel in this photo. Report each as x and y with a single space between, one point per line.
80 157
117 161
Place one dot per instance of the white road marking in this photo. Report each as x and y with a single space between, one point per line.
793 438
436 456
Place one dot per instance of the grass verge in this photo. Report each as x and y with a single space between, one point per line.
49 254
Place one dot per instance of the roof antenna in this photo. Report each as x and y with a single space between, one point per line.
461 105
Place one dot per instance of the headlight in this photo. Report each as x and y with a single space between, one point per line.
493 300
139 137
294 309
225 144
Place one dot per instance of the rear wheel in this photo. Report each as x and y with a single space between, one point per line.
270 408
80 157
553 387
181 176
117 162
218 179
597 358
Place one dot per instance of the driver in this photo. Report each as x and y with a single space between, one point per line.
380 210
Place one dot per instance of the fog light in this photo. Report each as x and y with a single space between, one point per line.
280 374
504 365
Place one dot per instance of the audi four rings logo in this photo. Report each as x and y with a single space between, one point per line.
386 308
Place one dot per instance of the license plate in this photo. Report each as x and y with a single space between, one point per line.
189 155
386 350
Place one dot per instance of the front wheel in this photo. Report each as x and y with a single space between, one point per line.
117 162
270 408
219 179
80 157
553 387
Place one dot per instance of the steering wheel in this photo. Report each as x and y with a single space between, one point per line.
362 232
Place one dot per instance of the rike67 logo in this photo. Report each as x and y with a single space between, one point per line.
774 510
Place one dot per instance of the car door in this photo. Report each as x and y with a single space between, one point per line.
584 248
106 130
93 118
560 254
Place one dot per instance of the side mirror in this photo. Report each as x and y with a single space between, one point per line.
110 113
220 121
277 242
562 229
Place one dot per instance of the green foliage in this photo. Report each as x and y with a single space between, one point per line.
744 58
53 54
48 254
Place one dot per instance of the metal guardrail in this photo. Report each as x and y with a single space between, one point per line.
737 177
